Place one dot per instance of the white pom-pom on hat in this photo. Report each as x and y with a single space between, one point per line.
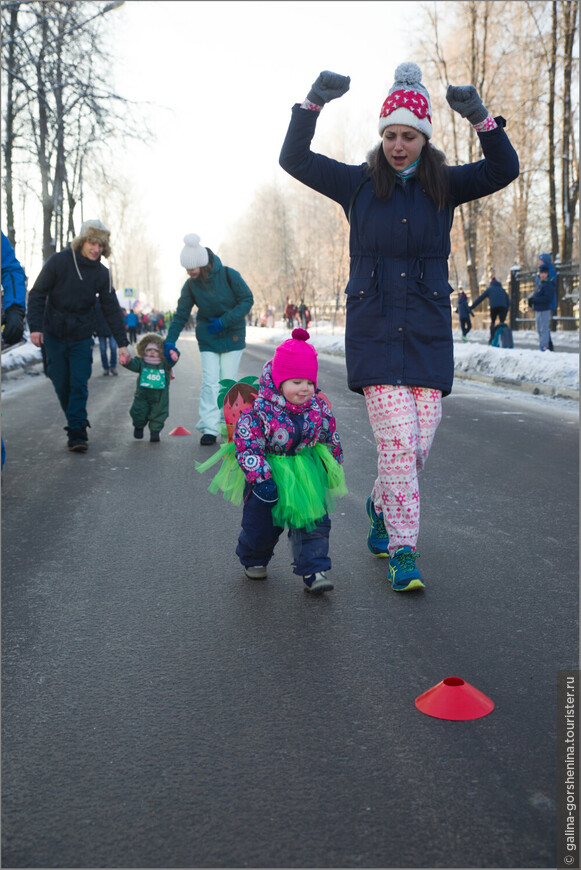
194 255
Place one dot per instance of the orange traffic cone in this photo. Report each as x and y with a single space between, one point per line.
179 430
453 698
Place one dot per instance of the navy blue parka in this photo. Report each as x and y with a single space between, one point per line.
399 316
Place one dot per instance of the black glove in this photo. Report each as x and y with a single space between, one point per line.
13 321
329 86
465 100
266 492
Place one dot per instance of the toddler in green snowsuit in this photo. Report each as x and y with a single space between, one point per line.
151 398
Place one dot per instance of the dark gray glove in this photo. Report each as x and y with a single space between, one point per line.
329 86
266 491
466 100
13 321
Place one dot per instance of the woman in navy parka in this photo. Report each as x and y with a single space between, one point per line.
398 337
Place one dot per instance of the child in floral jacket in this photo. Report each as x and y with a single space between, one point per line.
288 449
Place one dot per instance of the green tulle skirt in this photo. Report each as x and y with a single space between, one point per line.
308 483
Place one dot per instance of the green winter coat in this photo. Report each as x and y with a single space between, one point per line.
230 300
150 405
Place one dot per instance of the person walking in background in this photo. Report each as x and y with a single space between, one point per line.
398 334
290 310
541 302
107 344
13 295
547 260
151 399
464 314
499 302
61 317
223 299
131 325
289 457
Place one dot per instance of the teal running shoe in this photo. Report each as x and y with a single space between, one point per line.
377 539
403 574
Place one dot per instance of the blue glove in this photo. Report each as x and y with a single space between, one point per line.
266 492
215 325
167 346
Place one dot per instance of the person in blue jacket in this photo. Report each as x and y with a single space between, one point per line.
13 295
398 336
223 300
498 301
541 302
13 304
464 314
547 260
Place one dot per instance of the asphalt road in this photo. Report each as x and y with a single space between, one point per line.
160 711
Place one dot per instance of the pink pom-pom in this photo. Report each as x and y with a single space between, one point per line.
300 334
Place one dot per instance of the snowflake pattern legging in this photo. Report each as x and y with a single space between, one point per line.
404 421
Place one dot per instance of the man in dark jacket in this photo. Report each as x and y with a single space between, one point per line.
61 316
499 302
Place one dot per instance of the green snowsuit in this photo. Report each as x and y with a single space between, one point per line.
151 398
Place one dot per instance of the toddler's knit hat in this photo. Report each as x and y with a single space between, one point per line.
408 102
294 358
194 255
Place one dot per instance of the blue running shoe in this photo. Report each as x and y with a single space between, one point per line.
317 583
377 539
403 574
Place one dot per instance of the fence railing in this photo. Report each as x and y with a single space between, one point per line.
522 286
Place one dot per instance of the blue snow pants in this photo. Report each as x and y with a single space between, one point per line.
259 537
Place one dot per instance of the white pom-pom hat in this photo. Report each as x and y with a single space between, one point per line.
408 102
194 255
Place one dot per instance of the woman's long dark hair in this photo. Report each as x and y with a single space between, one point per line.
205 270
431 174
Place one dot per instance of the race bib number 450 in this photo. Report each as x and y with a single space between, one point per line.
152 378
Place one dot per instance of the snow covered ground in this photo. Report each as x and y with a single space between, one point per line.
557 372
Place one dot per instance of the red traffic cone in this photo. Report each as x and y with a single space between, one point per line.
452 698
179 430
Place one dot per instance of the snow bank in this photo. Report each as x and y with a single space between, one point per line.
524 363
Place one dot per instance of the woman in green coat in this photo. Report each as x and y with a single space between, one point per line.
223 300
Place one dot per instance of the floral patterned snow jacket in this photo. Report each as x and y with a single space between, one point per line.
273 425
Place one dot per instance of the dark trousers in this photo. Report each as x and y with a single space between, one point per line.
500 312
68 365
259 537
465 325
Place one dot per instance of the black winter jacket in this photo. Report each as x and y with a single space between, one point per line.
62 300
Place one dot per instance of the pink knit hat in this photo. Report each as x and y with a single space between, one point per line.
294 358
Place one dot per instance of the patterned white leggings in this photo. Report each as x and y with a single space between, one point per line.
404 421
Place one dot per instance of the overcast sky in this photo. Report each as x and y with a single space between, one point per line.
223 77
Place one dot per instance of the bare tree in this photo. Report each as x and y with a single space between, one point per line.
58 60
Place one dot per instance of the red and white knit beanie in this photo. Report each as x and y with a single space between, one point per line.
408 102
294 358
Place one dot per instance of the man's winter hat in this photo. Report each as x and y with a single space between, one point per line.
193 256
408 102
94 231
294 358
